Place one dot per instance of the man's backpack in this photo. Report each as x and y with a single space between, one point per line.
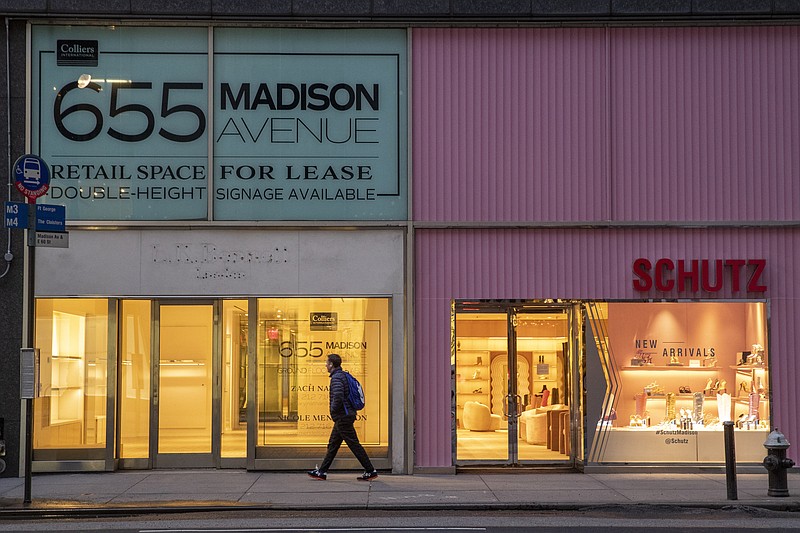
355 393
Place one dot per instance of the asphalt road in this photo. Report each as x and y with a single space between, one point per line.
653 519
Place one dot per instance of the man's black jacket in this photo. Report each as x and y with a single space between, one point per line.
338 396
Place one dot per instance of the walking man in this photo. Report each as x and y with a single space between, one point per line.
343 415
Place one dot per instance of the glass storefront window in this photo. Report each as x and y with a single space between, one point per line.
295 335
234 378
676 371
183 346
72 336
134 379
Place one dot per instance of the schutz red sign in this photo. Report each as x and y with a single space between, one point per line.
693 275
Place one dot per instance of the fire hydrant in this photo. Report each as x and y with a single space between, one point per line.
777 463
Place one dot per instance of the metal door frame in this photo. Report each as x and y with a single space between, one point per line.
187 460
513 403
571 374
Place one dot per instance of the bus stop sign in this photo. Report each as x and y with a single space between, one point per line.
31 177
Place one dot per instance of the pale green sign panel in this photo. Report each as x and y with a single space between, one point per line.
304 124
310 125
121 117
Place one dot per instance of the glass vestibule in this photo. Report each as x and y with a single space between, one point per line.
673 373
184 407
186 350
513 384
186 382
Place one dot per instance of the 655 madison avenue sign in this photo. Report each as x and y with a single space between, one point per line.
289 124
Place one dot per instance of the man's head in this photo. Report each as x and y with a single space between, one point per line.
334 361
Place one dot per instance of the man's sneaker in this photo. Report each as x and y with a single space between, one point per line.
368 476
316 474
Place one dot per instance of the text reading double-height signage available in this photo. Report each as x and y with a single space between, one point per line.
48 217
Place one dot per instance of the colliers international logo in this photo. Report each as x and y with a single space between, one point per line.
76 53
324 321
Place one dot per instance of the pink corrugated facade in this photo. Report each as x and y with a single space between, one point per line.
545 161
636 124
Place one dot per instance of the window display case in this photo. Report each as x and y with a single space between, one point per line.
676 373
73 339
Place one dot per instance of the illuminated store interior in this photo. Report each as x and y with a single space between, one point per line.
178 373
676 371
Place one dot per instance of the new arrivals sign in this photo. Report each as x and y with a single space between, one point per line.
285 125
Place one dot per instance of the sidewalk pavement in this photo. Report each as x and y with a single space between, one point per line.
133 492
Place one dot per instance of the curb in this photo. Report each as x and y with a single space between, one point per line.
97 512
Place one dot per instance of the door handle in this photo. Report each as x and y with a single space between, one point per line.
518 404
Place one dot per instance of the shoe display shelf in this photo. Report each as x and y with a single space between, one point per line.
472 379
750 378
672 379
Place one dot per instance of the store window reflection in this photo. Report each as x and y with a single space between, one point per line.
72 335
294 337
134 379
234 378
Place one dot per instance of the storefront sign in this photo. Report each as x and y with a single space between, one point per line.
77 53
695 275
307 124
324 322
670 349
126 139
297 357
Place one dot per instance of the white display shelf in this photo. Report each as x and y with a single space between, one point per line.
656 444
681 368
681 397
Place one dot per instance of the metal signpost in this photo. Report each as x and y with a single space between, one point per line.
32 179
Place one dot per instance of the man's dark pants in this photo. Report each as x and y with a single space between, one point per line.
343 430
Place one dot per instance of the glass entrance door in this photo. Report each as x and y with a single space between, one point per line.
482 386
183 399
543 352
512 384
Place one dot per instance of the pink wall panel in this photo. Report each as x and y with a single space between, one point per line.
581 264
706 123
616 124
509 124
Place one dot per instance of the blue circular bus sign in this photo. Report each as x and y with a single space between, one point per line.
31 176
